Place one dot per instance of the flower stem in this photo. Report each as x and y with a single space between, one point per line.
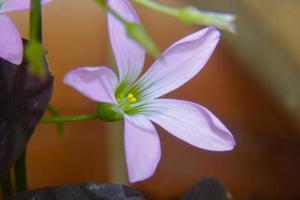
134 30
59 126
69 118
158 7
36 21
106 8
20 173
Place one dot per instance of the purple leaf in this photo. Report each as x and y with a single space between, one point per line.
23 100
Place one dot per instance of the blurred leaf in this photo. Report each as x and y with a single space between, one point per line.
138 33
192 15
209 188
81 192
23 100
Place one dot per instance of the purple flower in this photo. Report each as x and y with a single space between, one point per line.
137 99
11 46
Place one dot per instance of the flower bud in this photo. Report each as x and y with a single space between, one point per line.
109 112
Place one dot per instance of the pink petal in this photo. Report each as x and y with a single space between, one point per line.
16 5
11 46
97 83
179 63
191 123
142 148
128 53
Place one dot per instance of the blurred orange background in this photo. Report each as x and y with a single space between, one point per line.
264 165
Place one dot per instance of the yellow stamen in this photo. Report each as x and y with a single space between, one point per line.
131 98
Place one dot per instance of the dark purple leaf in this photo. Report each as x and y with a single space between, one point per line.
81 192
23 100
209 188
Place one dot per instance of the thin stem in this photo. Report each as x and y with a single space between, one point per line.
134 30
20 173
106 8
34 51
36 21
158 7
54 113
70 118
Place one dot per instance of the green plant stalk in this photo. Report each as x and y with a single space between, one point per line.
34 50
134 30
34 57
35 37
59 125
106 8
20 173
158 7
36 21
69 118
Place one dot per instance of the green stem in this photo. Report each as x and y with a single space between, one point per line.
54 113
36 21
6 186
69 118
52 110
106 8
34 51
20 173
158 7
134 30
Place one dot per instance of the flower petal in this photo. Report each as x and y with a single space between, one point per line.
128 53
97 83
16 5
191 123
11 46
178 64
142 148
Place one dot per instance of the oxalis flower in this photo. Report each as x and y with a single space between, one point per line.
136 100
11 46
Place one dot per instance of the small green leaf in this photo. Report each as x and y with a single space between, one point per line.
138 33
